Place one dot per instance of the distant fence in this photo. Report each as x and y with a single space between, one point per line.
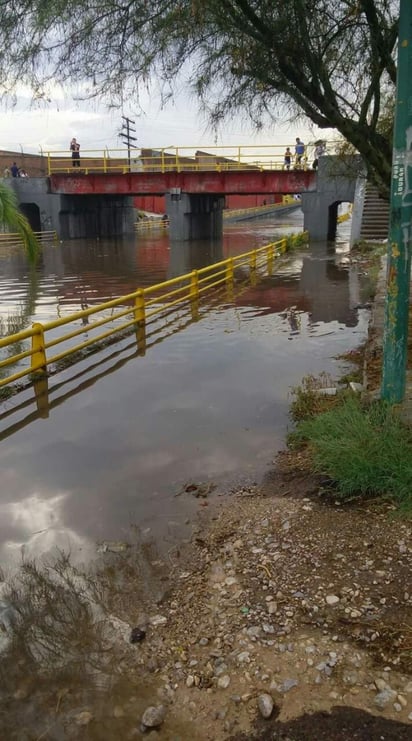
14 238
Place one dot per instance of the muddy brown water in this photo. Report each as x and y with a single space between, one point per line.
123 436
207 404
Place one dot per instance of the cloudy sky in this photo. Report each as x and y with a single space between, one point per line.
49 125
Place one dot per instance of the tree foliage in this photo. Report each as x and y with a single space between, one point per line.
12 218
331 60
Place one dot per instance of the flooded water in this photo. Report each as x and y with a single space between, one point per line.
99 472
124 434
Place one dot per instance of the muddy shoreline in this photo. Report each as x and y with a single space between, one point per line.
282 592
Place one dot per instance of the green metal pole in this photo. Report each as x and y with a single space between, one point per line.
395 338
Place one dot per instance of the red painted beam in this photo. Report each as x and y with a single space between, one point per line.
157 183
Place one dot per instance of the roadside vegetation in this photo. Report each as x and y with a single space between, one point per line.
362 446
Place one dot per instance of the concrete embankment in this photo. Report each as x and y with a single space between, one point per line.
258 213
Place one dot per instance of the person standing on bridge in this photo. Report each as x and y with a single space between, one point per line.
75 150
299 152
320 150
287 158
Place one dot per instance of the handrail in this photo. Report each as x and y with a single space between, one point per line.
131 312
148 224
14 238
179 159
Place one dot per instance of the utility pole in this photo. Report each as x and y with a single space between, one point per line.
395 338
127 136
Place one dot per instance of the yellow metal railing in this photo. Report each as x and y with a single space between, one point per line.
145 225
139 312
346 216
177 159
14 238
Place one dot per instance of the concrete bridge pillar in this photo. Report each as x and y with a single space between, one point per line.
336 181
72 216
194 216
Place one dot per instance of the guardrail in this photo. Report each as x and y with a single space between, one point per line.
145 225
179 159
14 238
137 312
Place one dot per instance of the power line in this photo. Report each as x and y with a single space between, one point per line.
126 134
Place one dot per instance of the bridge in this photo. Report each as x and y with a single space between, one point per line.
93 196
225 182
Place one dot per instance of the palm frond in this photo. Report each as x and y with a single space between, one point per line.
12 218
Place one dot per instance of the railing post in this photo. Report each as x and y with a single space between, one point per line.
230 275
104 161
48 164
194 294
140 320
284 245
230 278
139 308
269 264
38 349
252 265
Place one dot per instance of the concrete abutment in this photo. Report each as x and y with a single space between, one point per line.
73 216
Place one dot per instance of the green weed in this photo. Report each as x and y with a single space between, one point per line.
365 448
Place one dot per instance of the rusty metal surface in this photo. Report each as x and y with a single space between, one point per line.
157 183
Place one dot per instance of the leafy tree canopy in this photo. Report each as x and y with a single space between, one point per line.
331 60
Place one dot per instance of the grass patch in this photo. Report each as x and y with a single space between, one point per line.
365 448
293 241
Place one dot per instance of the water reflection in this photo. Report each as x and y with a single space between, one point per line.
126 430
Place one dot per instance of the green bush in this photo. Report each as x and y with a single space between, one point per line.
365 449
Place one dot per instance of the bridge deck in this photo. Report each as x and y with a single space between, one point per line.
158 183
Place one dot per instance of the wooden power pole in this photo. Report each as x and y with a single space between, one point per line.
126 134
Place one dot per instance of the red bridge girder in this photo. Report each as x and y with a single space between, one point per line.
157 183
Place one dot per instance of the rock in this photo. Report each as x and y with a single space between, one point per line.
118 711
380 684
84 718
243 657
384 697
156 620
288 684
137 635
153 716
272 608
190 681
331 599
223 682
265 705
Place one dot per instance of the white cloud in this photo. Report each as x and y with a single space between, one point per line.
32 126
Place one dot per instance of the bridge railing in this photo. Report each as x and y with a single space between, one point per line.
14 238
176 159
45 348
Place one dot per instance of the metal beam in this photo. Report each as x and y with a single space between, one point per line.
157 183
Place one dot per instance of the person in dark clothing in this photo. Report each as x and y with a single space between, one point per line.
75 150
14 170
